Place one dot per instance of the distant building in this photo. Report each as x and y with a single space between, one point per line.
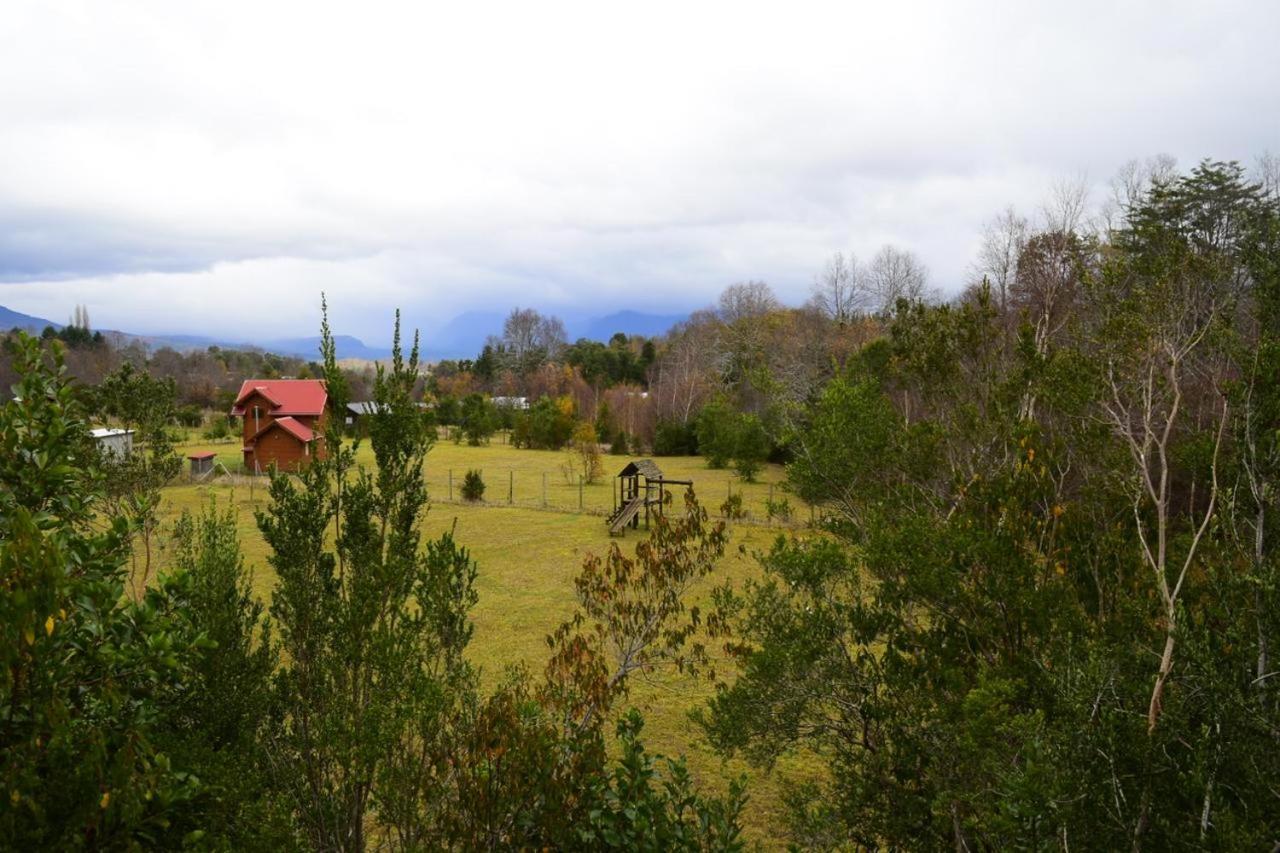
519 403
358 411
284 422
116 442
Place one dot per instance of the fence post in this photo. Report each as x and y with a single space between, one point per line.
511 486
450 485
544 488
579 491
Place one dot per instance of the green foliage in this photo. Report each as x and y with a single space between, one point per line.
779 509
1042 611
750 447
605 365
472 486
604 422
717 433
732 507
218 429
134 480
86 674
638 810
479 419
371 628
547 425
672 438
448 411
725 435
217 725
189 416
620 446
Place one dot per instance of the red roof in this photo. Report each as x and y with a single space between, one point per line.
297 429
208 454
286 396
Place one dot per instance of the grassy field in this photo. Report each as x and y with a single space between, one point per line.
535 478
527 556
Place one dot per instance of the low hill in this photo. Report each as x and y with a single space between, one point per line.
10 319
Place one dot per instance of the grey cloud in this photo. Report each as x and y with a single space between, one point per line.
164 161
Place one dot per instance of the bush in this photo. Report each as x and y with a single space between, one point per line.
448 411
732 507
547 425
472 486
717 428
619 447
750 447
779 509
672 438
218 430
479 419
586 451
189 416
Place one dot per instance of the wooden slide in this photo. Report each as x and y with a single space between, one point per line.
628 511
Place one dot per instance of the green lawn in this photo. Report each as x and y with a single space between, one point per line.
527 557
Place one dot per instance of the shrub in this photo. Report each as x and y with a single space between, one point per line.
521 431
717 433
779 509
750 447
604 422
732 507
549 424
472 486
672 438
448 410
619 447
218 430
479 419
189 416
586 450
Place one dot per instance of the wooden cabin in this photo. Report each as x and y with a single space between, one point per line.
284 421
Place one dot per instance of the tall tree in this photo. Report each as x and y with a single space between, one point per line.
371 626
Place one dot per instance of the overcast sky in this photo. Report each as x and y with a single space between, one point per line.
211 167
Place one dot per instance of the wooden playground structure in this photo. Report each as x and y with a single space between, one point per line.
641 486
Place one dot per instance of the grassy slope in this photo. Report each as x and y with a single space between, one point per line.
527 558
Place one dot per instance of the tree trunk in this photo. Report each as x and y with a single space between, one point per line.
1166 666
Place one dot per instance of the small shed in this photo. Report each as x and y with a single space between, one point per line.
641 486
357 412
113 442
201 463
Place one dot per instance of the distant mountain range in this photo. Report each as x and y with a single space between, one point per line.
10 319
461 337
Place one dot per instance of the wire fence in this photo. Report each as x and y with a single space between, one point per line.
723 496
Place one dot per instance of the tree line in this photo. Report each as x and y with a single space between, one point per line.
1045 609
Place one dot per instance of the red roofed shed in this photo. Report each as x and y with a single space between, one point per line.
283 422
